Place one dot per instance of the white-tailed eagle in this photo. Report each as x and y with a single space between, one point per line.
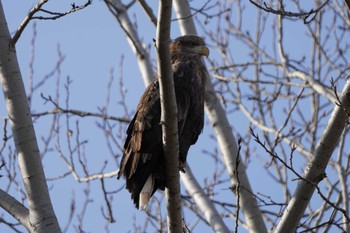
143 157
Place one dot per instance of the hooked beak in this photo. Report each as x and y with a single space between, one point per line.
202 50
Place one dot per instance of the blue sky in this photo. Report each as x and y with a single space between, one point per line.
93 44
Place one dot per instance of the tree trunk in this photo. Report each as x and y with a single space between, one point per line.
168 118
41 214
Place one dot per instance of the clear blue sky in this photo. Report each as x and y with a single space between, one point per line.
93 43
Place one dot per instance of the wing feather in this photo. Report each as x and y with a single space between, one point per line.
143 145
190 103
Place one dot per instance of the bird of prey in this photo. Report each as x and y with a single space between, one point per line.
142 163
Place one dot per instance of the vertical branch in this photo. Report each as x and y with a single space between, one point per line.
41 214
315 170
237 188
168 117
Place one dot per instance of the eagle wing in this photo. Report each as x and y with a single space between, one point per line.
143 146
143 149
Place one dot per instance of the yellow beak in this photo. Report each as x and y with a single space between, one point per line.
202 50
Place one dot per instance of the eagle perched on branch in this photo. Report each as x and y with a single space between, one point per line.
143 158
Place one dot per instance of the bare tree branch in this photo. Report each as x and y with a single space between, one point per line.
26 20
15 208
307 16
37 8
117 8
315 170
149 11
52 15
80 113
41 215
168 118
59 110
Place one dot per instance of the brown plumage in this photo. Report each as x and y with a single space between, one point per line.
143 155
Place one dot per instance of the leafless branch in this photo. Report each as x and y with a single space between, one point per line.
52 15
38 8
307 16
149 11
168 118
109 217
238 185
60 110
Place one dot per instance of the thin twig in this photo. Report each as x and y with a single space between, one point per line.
110 217
37 8
238 185
308 16
57 15
313 182
60 110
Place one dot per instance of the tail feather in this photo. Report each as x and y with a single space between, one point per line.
146 193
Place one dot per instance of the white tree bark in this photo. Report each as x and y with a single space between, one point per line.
168 118
143 59
41 215
15 208
318 88
315 170
226 140
203 202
